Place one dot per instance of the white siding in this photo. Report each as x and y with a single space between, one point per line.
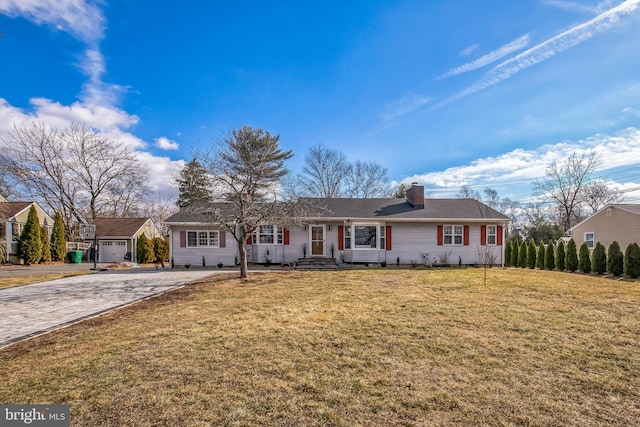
193 256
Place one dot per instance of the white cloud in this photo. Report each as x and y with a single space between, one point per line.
469 50
79 18
402 106
98 105
579 7
509 48
165 143
517 169
550 48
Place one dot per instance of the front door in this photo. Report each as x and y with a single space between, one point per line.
317 240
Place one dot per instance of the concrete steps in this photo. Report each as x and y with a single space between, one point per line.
316 264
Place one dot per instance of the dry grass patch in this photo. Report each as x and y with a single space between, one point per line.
349 348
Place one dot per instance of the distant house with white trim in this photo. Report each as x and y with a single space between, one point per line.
12 219
619 222
411 230
118 237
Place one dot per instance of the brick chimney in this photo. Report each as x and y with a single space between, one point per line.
415 195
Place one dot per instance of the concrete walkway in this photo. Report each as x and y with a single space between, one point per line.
30 310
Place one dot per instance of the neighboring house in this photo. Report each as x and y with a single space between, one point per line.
118 237
620 222
415 230
14 216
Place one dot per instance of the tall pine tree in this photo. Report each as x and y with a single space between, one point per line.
571 259
194 185
46 246
30 244
584 258
549 256
615 259
58 239
560 256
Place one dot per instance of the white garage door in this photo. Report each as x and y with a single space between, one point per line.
112 250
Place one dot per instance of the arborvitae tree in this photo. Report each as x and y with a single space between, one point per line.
58 240
549 256
46 246
30 244
514 253
522 255
615 262
584 259
194 185
599 259
145 249
531 254
560 256
161 250
571 260
632 260
540 257
507 254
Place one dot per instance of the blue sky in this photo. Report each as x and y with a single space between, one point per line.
449 93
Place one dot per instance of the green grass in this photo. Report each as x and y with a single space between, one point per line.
368 347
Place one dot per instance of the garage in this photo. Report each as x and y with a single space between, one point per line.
112 250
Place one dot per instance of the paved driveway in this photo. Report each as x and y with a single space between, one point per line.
33 309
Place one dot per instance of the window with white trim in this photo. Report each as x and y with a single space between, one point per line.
16 229
590 239
203 239
452 234
268 235
383 237
347 237
366 236
492 233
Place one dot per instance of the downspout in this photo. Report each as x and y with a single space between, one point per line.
504 242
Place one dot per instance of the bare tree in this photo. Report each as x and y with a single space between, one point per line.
565 182
597 194
246 169
486 258
466 192
159 207
491 198
74 171
367 180
324 172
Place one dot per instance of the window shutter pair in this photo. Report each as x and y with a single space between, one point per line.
387 237
465 235
222 239
483 235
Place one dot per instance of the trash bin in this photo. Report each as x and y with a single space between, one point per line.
76 257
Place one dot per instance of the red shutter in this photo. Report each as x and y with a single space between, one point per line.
340 237
466 235
183 239
483 235
249 240
223 239
285 233
440 236
388 238
499 237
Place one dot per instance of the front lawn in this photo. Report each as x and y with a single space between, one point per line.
368 347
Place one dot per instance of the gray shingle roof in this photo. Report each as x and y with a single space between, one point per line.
374 209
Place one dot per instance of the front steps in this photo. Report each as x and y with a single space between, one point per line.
316 264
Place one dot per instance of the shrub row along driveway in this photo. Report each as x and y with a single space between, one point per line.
30 310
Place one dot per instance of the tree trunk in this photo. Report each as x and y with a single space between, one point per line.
243 259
